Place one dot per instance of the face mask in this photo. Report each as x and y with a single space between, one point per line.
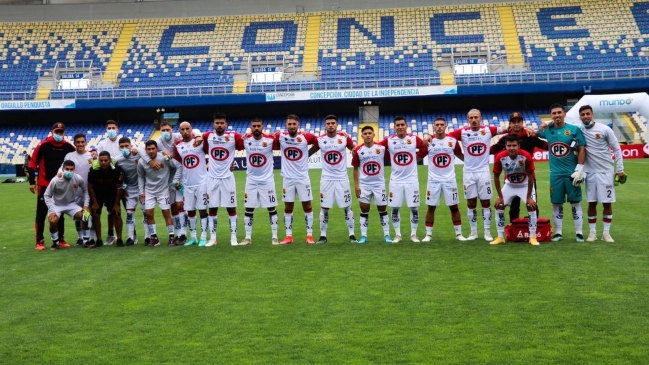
166 136
112 133
125 152
58 137
68 174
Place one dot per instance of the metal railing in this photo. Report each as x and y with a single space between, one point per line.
465 80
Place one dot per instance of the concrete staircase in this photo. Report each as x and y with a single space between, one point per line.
311 45
119 53
510 36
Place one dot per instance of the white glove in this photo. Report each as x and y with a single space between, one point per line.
578 176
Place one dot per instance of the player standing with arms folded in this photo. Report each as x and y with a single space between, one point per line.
260 179
600 185
294 147
221 187
154 189
60 196
566 169
47 159
442 151
334 183
476 140
369 182
519 182
404 149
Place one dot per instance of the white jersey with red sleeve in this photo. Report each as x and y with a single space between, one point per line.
193 161
295 154
221 151
369 160
475 145
334 157
403 156
516 169
259 154
441 159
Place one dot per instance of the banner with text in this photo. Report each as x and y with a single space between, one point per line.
362 93
629 151
37 104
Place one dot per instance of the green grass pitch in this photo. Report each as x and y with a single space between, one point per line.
439 302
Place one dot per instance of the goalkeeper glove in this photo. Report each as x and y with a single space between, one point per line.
578 176
620 180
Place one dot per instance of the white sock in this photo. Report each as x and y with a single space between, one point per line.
308 219
349 219
429 229
176 219
396 221
288 223
578 217
457 226
213 223
272 216
247 222
592 224
184 221
152 229
383 217
500 222
170 231
532 223
233 226
324 221
86 235
486 218
192 227
364 220
77 225
93 235
130 224
55 237
204 227
608 219
472 214
147 231
557 216
414 221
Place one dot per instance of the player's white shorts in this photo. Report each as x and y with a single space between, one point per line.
222 192
600 187
164 202
301 187
404 190
435 189
132 197
377 193
174 195
337 191
260 195
70 209
477 185
195 197
510 192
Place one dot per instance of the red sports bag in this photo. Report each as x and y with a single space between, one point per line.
518 231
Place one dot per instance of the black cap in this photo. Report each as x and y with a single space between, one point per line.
58 126
515 115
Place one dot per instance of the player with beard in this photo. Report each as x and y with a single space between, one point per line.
82 159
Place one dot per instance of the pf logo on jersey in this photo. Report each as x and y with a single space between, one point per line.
257 160
292 153
219 153
559 149
332 157
190 161
402 158
477 149
371 168
442 160
516 178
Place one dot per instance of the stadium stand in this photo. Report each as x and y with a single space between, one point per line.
567 40
15 140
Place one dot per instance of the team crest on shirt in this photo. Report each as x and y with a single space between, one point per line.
378 151
391 195
340 141
521 163
264 144
408 141
245 195
321 195
483 132
427 192
598 136
567 133
284 190
450 144
227 139
299 139
74 186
